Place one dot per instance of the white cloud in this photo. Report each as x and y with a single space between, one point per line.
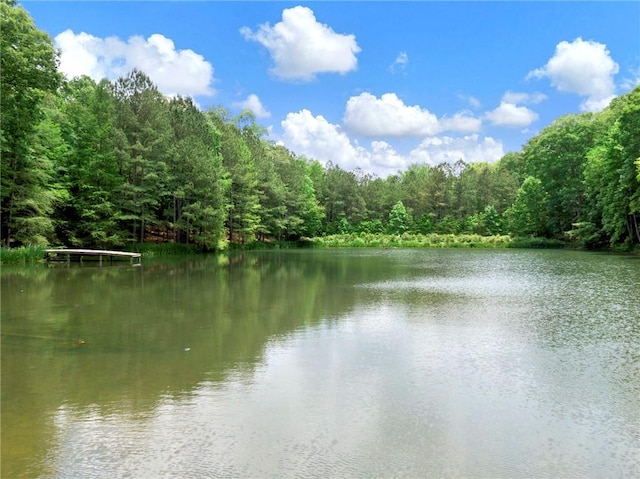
253 103
301 47
582 67
174 72
512 115
401 62
388 116
527 98
445 149
315 137
461 122
385 157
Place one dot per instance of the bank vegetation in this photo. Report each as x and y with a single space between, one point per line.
115 164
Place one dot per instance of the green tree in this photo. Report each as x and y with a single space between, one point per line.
90 170
529 215
342 200
398 219
271 188
556 156
416 193
143 140
28 66
304 213
243 220
508 175
197 182
611 178
379 195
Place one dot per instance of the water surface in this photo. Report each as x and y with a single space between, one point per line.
337 363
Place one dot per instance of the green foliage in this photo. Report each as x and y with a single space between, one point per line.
90 171
29 139
343 200
407 240
117 163
242 220
196 208
398 219
556 157
529 214
22 255
370 226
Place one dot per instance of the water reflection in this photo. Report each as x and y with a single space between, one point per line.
324 363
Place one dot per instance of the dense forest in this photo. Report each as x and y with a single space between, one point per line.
110 164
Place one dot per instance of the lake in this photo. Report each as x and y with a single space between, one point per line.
325 363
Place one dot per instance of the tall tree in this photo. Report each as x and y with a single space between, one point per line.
343 202
611 178
398 219
529 214
243 220
272 190
90 171
304 214
556 157
197 183
28 66
142 146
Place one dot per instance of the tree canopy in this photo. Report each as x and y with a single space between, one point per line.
114 163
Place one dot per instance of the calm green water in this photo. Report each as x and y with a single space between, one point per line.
348 363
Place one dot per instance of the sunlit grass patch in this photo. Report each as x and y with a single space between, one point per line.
410 240
22 255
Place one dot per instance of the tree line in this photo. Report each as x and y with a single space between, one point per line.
111 163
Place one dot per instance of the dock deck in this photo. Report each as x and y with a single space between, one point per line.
68 255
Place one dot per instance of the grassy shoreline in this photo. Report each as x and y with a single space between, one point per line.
31 255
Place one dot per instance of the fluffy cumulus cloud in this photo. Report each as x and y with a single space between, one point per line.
512 115
302 47
389 117
462 122
384 157
253 103
315 137
445 149
173 71
582 67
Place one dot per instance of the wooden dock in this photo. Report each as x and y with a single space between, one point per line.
68 255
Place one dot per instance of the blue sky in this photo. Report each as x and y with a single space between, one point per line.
370 85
